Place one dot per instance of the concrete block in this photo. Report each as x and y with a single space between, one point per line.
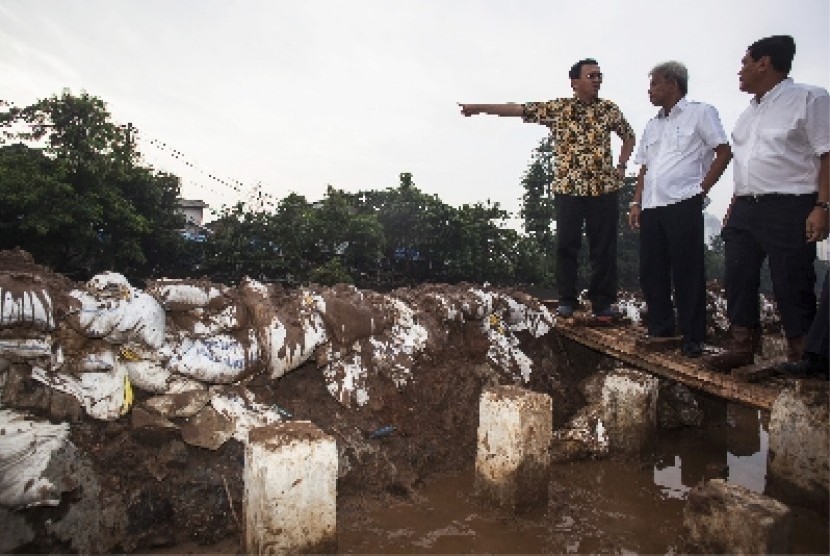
724 518
290 494
799 458
513 458
629 409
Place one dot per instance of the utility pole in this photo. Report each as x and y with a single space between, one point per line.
129 143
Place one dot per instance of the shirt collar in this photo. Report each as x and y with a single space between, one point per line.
774 92
581 102
681 104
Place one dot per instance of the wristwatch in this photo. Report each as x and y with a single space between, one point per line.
823 204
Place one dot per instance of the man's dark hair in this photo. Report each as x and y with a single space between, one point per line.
779 48
576 69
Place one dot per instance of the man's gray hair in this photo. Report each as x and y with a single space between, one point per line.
673 71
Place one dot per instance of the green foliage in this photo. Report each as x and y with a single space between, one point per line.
628 241
330 273
76 201
713 258
537 252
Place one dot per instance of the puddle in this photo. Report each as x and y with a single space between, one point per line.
594 507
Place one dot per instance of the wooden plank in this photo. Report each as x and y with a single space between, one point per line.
621 344
657 344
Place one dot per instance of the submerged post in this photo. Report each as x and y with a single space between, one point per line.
799 447
629 409
290 480
513 458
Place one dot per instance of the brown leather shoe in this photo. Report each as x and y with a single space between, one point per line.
739 352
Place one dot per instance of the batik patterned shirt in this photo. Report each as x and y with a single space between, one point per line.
581 132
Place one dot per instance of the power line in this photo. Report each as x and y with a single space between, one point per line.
254 195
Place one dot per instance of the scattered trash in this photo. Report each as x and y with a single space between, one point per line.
282 411
383 432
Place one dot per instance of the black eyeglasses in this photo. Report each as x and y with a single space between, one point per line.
595 75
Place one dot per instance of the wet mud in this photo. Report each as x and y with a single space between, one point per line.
166 476
632 506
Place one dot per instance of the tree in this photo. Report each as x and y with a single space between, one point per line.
416 230
346 234
628 241
538 215
484 251
244 243
71 194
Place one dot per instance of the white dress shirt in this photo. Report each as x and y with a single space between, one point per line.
777 141
677 151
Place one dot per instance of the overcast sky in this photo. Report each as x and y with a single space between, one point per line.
296 95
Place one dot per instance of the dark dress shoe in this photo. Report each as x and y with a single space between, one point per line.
811 366
691 349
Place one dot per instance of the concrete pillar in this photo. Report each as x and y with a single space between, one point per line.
799 459
629 409
513 458
290 495
724 518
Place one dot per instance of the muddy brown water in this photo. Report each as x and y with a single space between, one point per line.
605 506
608 506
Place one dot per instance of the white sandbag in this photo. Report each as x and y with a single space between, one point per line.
518 316
452 306
180 405
97 362
239 405
177 295
104 396
25 348
25 303
148 375
394 350
506 354
346 380
26 447
289 352
151 376
211 323
220 359
505 351
115 311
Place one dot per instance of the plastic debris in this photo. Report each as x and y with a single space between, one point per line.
383 432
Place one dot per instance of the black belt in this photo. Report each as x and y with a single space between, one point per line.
774 197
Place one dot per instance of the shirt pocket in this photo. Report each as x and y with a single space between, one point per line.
682 140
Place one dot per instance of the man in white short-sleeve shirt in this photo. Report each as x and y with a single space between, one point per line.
682 153
780 206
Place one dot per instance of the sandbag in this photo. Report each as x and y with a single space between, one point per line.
26 447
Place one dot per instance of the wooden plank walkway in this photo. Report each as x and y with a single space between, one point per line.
627 343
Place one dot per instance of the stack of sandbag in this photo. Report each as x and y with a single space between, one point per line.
180 337
210 339
369 335
27 320
289 325
496 315
107 319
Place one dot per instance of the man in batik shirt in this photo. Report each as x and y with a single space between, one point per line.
585 182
